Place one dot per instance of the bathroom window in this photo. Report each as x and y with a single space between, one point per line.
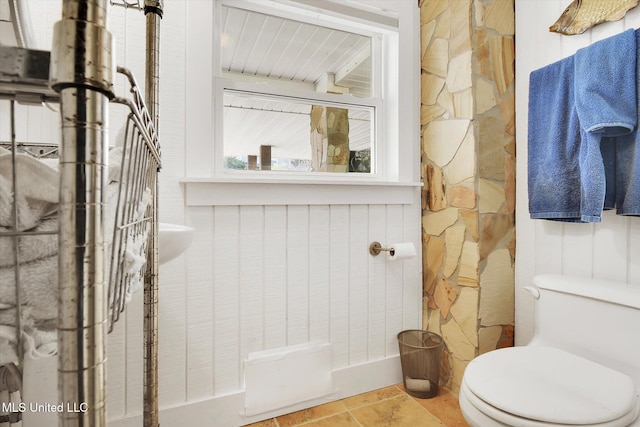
299 91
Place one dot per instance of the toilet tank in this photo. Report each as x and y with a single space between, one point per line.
596 319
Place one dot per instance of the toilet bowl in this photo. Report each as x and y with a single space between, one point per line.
574 372
544 386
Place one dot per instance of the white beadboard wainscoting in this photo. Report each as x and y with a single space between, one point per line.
267 276
272 276
262 277
607 250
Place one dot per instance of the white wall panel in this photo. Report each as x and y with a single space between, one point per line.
199 306
262 277
358 283
226 299
394 270
297 280
610 248
604 250
275 276
339 283
251 239
281 275
576 247
319 272
411 283
376 300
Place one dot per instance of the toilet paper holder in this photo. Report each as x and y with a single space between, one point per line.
375 248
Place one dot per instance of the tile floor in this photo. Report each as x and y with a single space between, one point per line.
390 406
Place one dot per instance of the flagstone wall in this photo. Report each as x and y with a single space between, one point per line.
468 166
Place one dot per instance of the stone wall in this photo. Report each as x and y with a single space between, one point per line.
468 166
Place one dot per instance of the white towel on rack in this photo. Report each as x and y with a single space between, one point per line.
37 187
38 286
37 204
135 237
30 247
27 217
36 343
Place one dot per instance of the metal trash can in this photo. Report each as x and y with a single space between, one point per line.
420 355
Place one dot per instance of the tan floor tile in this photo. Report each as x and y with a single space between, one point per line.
341 420
311 414
444 406
372 397
398 411
266 423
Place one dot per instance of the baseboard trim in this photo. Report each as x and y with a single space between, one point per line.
228 410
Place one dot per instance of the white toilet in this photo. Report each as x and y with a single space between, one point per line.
582 367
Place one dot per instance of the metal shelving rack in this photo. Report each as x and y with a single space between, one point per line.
81 74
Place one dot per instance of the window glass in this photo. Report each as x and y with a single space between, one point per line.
264 132
295 125
275 48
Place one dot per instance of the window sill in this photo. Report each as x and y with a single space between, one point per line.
246 191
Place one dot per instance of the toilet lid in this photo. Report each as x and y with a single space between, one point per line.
550 385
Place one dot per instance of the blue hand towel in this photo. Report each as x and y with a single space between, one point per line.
554 144
607 107
628 160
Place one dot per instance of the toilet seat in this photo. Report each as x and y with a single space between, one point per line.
480 414
545 386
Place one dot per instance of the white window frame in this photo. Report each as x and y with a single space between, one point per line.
398 181
384 43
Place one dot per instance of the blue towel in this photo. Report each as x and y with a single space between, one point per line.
554 144
607 107
580 109
627 160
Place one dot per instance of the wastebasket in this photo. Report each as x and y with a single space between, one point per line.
420 354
